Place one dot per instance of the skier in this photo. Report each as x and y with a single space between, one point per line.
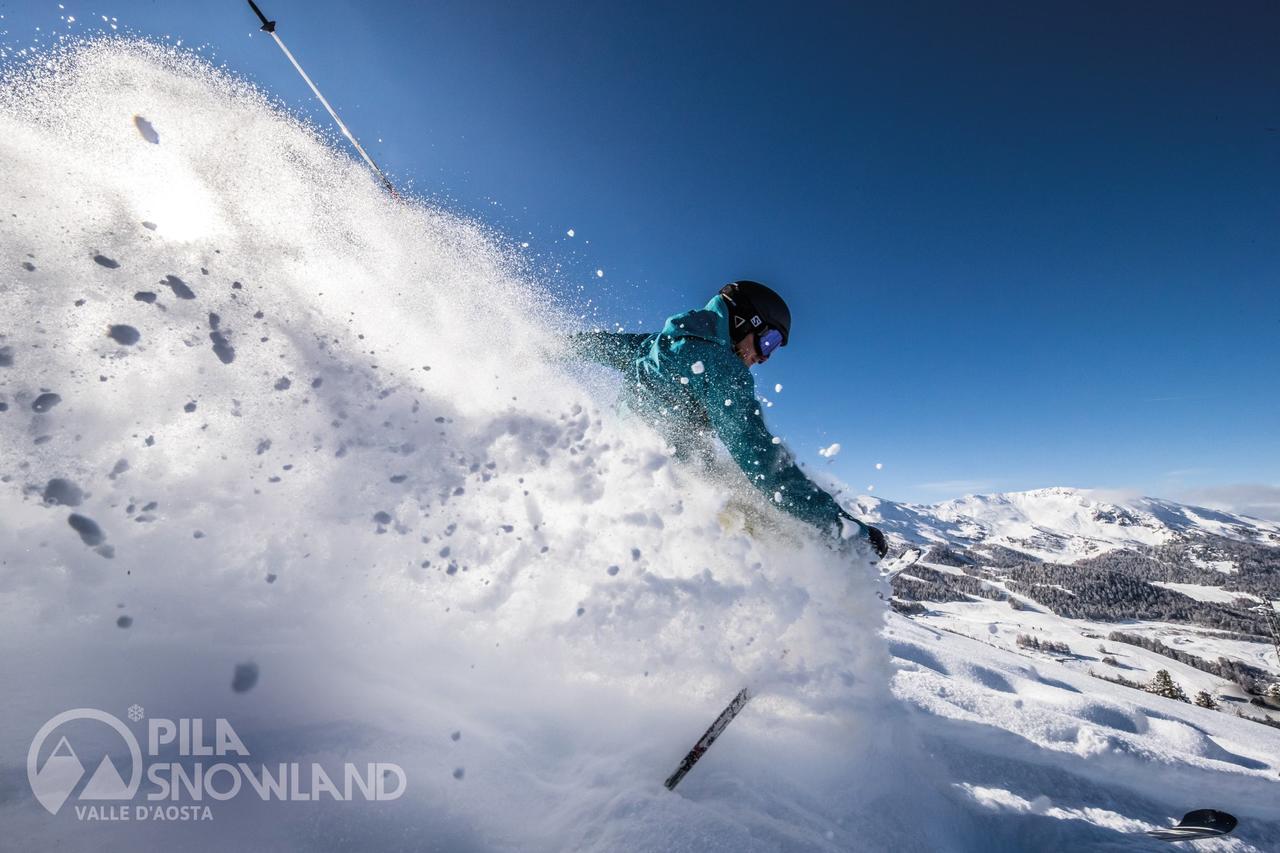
692 381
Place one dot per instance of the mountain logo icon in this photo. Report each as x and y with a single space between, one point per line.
54 781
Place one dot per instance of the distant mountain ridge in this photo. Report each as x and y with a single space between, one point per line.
1081 554
1059 524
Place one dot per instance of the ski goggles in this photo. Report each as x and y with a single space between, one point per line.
768 341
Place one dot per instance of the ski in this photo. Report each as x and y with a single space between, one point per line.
1201 823
709 737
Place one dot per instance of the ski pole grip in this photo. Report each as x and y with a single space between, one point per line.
267 26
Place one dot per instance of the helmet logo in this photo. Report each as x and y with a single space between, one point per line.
756 321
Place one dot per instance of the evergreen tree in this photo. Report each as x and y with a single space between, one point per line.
1204 700
1164 685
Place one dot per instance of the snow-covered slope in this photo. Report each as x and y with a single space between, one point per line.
1059 523
1056 759
277 449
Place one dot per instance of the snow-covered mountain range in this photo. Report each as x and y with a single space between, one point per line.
1140 564
1059 524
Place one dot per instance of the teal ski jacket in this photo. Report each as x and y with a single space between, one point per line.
690 384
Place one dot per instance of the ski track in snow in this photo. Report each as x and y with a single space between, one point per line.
279 449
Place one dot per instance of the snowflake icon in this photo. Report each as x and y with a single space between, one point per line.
135 712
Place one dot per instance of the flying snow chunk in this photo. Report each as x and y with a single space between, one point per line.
777 389
698 367
871 488
45 402
125 335
180 289
148 132
599 273
90 533
245 677
777 440
569 232
65 492
879 466
225 352
831 451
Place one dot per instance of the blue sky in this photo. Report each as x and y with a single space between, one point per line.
1025 244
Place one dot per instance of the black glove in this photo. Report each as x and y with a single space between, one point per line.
851 529
878 542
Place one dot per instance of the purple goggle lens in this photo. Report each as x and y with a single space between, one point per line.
769 341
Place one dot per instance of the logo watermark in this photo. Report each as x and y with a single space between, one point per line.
219 772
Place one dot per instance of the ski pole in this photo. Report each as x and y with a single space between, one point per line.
270 27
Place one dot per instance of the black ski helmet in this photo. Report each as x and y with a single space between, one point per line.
753 306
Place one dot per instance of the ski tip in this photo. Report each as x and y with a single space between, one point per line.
1201 823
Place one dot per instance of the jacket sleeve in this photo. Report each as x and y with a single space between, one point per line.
728 394
612 349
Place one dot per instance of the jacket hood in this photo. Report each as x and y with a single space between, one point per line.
710 323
